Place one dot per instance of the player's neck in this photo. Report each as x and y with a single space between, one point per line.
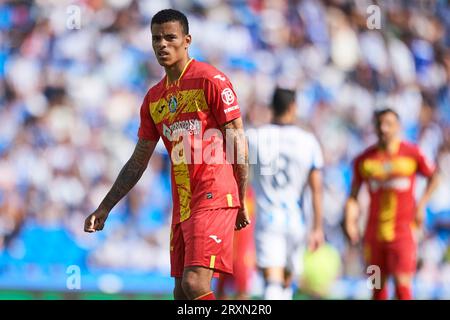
282 120
175 71
390 146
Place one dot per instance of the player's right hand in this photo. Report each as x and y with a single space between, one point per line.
96 220
315 239
420 216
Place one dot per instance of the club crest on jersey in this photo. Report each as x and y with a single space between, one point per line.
387 166
227 96
173 104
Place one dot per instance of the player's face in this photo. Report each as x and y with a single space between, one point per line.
169 43
387 127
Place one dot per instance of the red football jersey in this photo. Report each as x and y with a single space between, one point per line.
391 183
188 115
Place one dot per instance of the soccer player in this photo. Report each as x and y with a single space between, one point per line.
288 159
389 168
190 108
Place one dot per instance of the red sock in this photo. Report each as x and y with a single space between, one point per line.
380 294
403 292
207 296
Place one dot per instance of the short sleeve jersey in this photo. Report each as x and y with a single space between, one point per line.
188 115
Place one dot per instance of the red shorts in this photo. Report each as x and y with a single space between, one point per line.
205 239
392 257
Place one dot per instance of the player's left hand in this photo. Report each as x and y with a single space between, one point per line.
242 219
315 240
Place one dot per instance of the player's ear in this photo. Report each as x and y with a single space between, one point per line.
188 40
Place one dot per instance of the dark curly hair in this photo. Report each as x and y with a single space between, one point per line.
169 15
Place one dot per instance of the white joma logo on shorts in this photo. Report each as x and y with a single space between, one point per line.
214 237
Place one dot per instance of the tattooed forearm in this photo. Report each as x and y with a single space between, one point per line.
235 131
241 176
130 174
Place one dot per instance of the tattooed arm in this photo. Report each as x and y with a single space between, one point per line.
234 131
129 175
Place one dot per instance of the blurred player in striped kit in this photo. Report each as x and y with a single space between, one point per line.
389 168
288 160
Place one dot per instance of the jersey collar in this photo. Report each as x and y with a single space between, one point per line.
394 150
177 82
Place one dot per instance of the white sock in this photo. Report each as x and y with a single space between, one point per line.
288 293
273 291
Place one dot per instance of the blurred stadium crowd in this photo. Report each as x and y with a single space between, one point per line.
69 102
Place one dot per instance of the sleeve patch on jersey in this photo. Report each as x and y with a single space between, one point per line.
227 110
227 96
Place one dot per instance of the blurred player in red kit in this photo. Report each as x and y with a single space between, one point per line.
193 108
244 260
389 168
